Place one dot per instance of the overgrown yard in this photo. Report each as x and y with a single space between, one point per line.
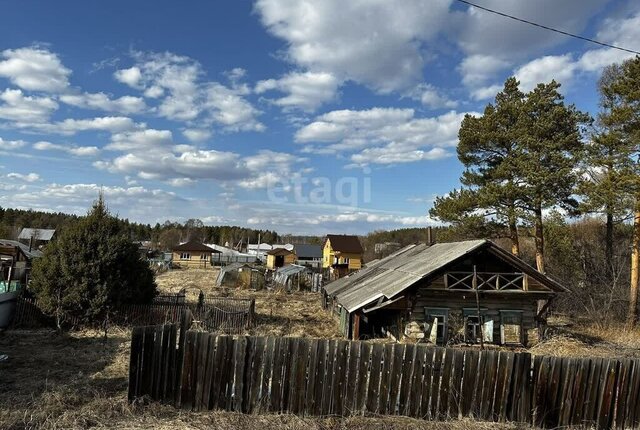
79 379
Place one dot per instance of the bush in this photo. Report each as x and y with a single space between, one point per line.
90 270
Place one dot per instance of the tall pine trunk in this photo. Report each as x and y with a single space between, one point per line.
513 235
609 243
632 317
539 239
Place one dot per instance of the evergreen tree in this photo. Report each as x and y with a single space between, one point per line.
90 270
486 149
620 88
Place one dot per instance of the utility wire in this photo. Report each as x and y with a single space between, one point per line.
535 24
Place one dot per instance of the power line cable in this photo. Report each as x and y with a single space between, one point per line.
535 24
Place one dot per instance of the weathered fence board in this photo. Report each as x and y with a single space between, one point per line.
203 371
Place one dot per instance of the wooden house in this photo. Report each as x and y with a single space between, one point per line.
308 255
341 254
15 262
280 257
193 254
471 291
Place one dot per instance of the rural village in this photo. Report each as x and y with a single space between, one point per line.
510 303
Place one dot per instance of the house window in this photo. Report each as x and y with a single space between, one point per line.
476 326
511 327
185 256
346 260
204 256
437 324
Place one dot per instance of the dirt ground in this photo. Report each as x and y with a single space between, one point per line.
78 380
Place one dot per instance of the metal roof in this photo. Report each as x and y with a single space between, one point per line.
36 233
401 270
306 250
283 273
34 253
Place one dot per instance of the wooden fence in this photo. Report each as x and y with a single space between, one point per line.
202 371
220 314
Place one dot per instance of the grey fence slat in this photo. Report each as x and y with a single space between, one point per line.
147 361
135 362
300 376
427 385
469 382
340 376
633 416
276 377
607 394
455 391
377 356
210 363
240 350
407 380
291 372
364 367
350 391
621 393
312 370
489 385
445 383
396 368
436 376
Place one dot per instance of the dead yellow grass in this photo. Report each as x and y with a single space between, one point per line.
277 313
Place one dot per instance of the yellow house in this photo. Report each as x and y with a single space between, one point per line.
280 257
193 255
341 254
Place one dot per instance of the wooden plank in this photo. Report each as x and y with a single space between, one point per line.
476 399
417 381
353 379
200 371
407 380
289 385
622 392
239 361
300 377
396 370
567 401
607 394
489 385
170 366
445 384
455 390
385 378
435 377
187 374
375 375
319 378
580 390
539 379
276 377
225 373
591 403
553 390
364 369
311 369
329 378
264 403
469 381
257 369
147 361
633 413
210 364
157 362
135 362
503 385
340 376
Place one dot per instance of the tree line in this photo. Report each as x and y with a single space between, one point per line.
531 161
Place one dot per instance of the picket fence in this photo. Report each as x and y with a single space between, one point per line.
201 371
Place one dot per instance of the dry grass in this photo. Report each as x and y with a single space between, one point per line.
278 313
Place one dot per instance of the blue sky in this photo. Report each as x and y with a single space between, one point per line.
299 116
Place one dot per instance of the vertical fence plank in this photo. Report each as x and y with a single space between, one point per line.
200 371
135 362
350 391
489 385
329 378
257 370
407 379
621 393
445 384
395 377
300 377
455 390
210 364
633 413
607 394
290 372
312 368
434 384
237 391
323 346
340 378
187 370
377 357
267 376
469 382
364 377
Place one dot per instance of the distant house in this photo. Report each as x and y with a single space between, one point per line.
341 254
15 261
193 254
280 257
308 255
468 291
35 237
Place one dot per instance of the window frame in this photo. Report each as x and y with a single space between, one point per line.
185 256
511 312
432 313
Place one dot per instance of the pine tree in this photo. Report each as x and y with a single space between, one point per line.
486 149
90 270
620 88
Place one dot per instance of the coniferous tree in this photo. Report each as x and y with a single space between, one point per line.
90 270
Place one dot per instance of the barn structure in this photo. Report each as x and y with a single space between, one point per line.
470 291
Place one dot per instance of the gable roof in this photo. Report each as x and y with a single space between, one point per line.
34 253
345 243
36 233
280 251
404 268
305 250
194 246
